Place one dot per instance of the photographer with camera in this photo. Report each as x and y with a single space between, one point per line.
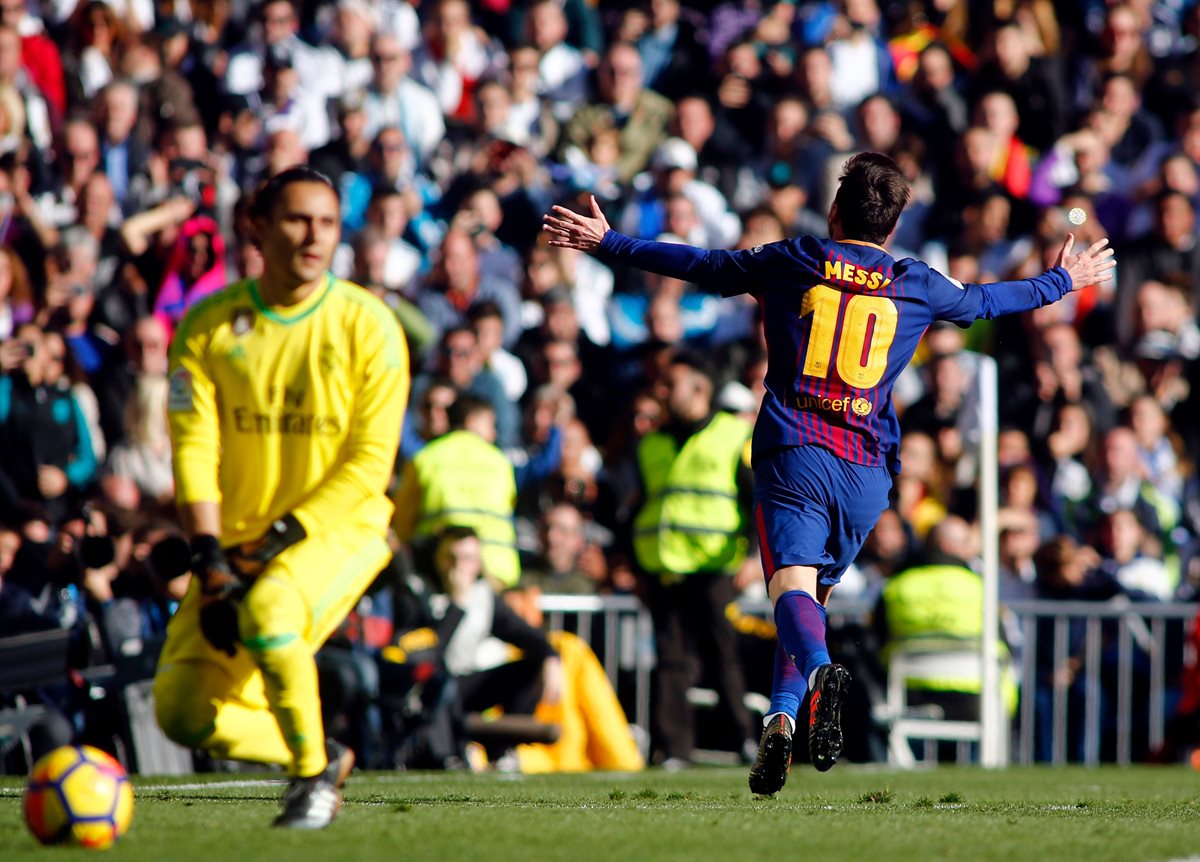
46 456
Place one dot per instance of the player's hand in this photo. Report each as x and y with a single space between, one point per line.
251 558
219 586
219 625
572 230
1093 266
211 569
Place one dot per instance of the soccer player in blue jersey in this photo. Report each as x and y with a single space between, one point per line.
842 319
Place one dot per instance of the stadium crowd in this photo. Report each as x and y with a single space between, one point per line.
133 133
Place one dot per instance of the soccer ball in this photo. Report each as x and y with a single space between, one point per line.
78 795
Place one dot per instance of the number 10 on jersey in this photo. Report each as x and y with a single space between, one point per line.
868 327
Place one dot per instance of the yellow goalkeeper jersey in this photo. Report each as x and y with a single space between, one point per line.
288 409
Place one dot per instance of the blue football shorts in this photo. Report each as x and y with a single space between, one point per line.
812 508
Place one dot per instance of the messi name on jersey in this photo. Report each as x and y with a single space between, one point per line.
871 279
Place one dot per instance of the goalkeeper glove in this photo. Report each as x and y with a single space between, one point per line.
219 586
252 557
219 625
217 580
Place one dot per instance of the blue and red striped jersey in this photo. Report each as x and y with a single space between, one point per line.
841 320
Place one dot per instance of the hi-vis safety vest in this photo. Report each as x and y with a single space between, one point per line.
940 608
466 481
690 521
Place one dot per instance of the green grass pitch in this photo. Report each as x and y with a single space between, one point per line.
855 813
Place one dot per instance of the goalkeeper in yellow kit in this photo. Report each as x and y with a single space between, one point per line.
286 399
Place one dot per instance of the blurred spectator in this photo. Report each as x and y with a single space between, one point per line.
40 57
562 71
454 57
276 31
458 282
65 373
566 562
487 679
459 359
1169 250
395 100
935 605
195 269
427 417
625 104
46 458
595 733
1120 484
19 613
488 323
1010 67
145 357
1068 572
145 455
101 39
16 295
697 456
1017 544
1123 546
886 550
123 153
481 216
1157 447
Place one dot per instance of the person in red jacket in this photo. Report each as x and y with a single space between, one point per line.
39 55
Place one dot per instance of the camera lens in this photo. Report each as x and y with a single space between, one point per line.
96 551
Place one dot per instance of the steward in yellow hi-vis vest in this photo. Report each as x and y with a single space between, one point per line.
690 538
287 394
461 479
691 521
938 607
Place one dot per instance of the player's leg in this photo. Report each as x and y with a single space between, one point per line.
285 617
859 497
792 522
810 511
206 699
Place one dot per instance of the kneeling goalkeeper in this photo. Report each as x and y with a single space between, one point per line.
286 399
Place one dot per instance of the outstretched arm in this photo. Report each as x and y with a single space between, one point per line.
729 270
963 304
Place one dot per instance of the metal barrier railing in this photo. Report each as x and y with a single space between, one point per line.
1124 649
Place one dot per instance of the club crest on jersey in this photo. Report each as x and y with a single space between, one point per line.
328 359
861 407
242 322
180 392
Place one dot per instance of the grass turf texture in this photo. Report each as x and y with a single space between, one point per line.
853 813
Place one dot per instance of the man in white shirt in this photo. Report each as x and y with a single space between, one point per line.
396 100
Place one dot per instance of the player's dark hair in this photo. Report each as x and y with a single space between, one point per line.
463 408
872 194
268 193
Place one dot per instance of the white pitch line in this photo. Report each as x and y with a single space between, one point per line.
216 785
199 785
